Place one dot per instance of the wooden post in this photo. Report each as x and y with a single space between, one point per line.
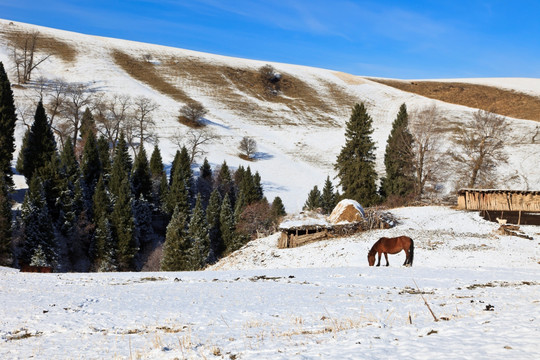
519 218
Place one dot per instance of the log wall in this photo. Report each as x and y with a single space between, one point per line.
499 200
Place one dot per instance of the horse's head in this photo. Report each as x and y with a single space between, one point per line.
371 258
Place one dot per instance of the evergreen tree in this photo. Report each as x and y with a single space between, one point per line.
159 178
6 258
121 167
51 181
355 163
174 166
328 197
212 218
278 209
40 146
259 193
398 158
88 125
8 119
124 227
101 202
38 241
313 201
90 167
228 226
224 183
204 182
104 156
141 177
178 195
103 242
156 163
70 197
177 244
105 248
198 234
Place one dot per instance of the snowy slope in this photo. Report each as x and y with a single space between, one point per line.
297 151
320 301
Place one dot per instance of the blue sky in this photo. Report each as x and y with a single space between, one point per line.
397 39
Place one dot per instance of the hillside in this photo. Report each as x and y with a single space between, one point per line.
299 131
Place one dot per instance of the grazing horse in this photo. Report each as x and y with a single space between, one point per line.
392 246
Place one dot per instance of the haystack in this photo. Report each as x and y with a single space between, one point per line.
347 211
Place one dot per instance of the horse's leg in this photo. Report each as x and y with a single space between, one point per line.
406 257
379 258
386 257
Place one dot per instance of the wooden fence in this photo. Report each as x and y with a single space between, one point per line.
499 200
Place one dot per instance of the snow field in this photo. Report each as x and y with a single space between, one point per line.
280 304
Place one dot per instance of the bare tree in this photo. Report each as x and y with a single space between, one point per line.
425 129
270 79
142 125
111 115
193 112
248 146
194 141
480 142
78 96
24 55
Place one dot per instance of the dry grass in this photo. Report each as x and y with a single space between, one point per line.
505 102
243 90
146 72
46 45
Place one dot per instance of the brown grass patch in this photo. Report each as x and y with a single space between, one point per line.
504 102
44 44
189 123
146 72
243 90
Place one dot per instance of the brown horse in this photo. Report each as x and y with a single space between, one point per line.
392 246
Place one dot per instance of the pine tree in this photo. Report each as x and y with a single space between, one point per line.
328 197
313 201
121 167
228 226
198 234
51 181
8 119
355 163
124 227
40 145
177 244
213 211
174 166
398 158
104 156
224 183
70 198
141 177
204 182
159 178
101 202
259 193
38 233
277 210
105 248
156 163
88 125
178 195
6 258
90 167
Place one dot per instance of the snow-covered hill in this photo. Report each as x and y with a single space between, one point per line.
299 133
319 301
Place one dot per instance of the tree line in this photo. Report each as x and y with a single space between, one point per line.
415 160
91 207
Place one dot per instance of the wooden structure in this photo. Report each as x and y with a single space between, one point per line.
304 234
513 206
499 200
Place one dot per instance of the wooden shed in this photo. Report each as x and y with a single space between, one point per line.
517 206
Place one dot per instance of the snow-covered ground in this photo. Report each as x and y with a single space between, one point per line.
320 301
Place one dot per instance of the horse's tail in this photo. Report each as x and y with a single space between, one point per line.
411 253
